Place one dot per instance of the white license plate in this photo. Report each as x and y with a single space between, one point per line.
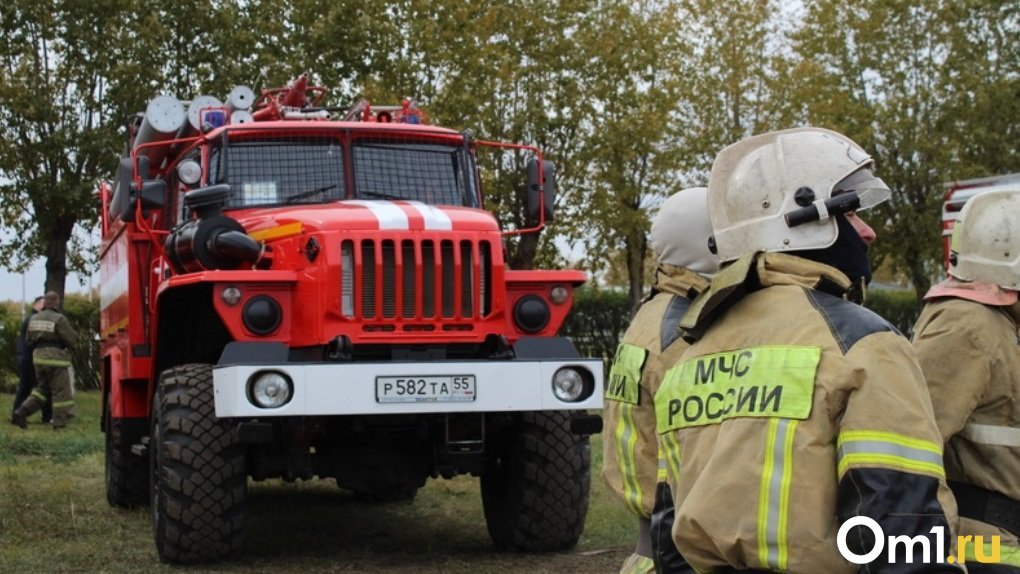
425 389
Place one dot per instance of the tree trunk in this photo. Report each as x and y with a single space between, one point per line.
56 255
522 256
920 278
636 248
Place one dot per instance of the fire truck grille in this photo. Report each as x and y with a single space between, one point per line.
415 280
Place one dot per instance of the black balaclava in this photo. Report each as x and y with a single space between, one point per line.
849 253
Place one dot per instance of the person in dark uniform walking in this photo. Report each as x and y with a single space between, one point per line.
26 370
50 336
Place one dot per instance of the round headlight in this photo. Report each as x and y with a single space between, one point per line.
271 390
568 385
531 313
231 295
262 315
559 294
189 172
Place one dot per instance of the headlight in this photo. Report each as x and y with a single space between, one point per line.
559 294
270 390
231 296
569 385
531 313
189 172
262 315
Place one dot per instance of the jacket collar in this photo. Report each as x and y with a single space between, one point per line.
678 280
753 272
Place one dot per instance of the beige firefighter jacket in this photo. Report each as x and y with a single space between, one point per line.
795 411
651 343
970 354
50 336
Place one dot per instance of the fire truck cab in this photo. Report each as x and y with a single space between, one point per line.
292 291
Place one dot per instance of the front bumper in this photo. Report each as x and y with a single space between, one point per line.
324 389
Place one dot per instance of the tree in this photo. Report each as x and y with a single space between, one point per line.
55 134
631 91
899 78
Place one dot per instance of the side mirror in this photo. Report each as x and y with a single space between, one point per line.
122 187
539 181
152 193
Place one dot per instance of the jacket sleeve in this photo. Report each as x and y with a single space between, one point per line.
889 460
66 332
953 352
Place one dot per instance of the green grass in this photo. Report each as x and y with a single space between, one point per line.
54 518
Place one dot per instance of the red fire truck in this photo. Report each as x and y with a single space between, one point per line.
291 291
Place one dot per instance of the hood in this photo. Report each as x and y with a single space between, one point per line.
368 215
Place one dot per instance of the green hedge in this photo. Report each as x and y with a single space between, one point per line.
597 321
898 307
83 314
599 317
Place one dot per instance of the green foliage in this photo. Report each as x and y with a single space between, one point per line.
82 312
596 321
900 308
928 88
632 100
10 325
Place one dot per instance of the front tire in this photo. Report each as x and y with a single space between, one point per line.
199 478
535 490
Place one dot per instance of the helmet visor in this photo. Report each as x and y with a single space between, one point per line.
870 190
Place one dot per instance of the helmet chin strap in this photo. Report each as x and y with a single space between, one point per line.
849 254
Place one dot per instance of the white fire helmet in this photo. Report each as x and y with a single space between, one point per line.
985 245
680 232
778 191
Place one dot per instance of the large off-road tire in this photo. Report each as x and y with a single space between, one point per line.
127 474
199 479
535 490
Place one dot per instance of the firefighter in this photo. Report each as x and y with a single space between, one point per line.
50 335
795 409
679 239
26 370
968 343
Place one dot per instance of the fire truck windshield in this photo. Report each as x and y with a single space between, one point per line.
294 170
433 173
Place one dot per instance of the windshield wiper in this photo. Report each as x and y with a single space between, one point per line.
379 195
309 193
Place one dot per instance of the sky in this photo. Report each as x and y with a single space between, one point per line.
13 285
32 282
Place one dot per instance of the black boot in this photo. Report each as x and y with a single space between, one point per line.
19 419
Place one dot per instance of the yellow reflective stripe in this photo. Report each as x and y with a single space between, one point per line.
672 453
661 472
62 404
763 492
38 394
1008 555
890 437
285 230
625 374
626 441
766 381
638 565
51 362
774 495
784 497
870 448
